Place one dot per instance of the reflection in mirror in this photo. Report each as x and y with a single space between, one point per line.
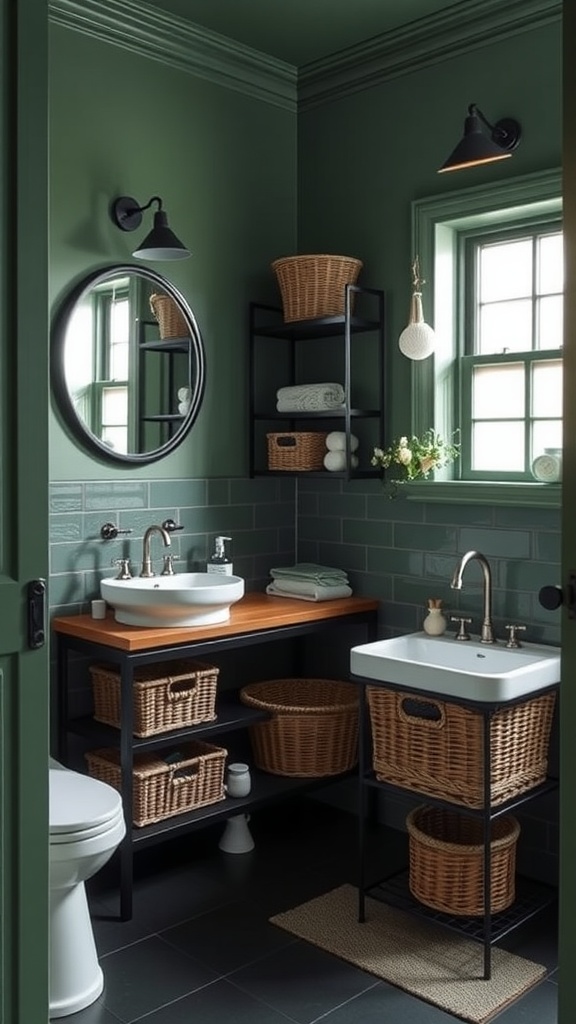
128 364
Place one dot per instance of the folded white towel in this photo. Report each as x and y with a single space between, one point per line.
302 397
316 593
183 408
184 394
335 462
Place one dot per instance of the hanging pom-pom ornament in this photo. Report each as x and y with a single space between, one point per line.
417 339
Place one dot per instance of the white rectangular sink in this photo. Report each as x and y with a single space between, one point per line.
458 668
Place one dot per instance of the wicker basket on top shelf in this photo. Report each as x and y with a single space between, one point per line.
314 286
169 316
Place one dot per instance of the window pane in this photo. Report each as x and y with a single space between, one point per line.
506 270
550 322
116 438
547 389
498 447
550 264
505 326
546 434
115 405
498 391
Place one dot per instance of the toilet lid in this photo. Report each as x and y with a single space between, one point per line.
79 802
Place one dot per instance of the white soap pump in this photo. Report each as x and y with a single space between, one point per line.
219 561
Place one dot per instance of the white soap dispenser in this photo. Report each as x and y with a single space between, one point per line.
219 561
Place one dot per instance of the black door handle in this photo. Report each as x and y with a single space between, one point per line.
36 614
552 596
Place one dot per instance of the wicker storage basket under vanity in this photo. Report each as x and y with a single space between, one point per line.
162 787
314 286
436 747
170 319
447 861
171 695
297 451
312 730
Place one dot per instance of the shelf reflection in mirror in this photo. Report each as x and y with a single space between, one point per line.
127 364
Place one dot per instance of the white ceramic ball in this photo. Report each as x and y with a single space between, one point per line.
336 441
335 461
417 341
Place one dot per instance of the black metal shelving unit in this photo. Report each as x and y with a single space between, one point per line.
170 349
530 897
364 316
233 719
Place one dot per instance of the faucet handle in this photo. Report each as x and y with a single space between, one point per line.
124 570
109 531
170 526
512 638
168 569
462 633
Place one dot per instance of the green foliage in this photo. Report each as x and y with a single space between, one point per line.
414 458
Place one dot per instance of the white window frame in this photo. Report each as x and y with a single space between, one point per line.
436 222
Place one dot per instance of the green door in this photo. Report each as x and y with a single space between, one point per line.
24 682
567 973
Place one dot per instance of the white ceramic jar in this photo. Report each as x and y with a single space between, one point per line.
547 468
238 780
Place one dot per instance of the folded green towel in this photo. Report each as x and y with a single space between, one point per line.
323 574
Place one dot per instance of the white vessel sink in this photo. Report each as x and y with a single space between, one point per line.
484 672
185 599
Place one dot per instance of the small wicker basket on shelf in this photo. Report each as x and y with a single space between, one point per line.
297 451
447 861
314 286
170 319
170 695
312 730
163 789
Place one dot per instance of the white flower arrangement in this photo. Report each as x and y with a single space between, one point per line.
414 458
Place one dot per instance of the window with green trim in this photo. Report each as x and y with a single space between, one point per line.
510 349
492 259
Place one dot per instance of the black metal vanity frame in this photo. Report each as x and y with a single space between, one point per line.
531 897
232 715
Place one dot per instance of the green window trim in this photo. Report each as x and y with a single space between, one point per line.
436 224
484 492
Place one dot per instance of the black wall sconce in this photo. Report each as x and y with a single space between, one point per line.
161 243
478 147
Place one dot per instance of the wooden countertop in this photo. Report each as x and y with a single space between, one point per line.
254 612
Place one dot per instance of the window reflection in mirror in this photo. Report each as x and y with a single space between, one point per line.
127 364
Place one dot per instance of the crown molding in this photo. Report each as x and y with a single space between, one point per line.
176 42
456 30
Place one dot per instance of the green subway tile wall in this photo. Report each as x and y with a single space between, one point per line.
404 552
259 515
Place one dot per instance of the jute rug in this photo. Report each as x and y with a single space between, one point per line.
423 959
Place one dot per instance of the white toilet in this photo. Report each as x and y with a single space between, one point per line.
86 826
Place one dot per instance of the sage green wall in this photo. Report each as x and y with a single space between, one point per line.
363 158
225 165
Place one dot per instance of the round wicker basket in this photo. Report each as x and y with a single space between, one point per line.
312 730
314 286
447 861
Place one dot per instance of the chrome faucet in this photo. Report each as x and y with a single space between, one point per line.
487 634
146 569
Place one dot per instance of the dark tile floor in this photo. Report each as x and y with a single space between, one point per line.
200 946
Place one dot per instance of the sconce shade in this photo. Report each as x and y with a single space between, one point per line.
477 147
417 340
160 243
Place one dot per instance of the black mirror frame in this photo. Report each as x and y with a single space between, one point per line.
57 366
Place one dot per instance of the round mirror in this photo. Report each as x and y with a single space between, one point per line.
128 364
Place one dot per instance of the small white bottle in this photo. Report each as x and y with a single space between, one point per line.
435 622
219 561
